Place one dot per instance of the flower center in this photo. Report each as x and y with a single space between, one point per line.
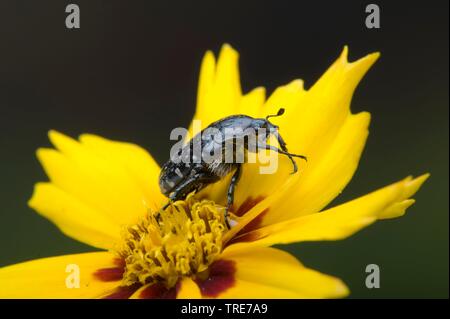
181 241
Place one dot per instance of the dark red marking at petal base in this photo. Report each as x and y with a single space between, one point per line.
112 273
220 278
248 204
254 224
159 291
245 238
247 233
123 292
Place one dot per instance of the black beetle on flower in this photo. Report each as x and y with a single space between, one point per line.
190 171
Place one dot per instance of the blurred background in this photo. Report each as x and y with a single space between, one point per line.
130 73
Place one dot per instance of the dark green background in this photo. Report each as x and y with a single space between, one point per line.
130 73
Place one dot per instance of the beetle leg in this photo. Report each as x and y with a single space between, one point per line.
192 183
158 213
285 152
180 190
284 148
178 193
231 188
166 205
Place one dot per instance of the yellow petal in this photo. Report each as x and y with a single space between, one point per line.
51 277
318 124
252 103
272 273
257 209
206 81
185 289
290 97
314 117
227 77
136 161
74 218
219 92
322 180
255 181
188 289
338 222
219 95
104 183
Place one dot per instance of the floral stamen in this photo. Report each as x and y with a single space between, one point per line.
182 240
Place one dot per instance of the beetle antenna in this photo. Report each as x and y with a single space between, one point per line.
280 112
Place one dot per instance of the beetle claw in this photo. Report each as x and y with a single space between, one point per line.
227 218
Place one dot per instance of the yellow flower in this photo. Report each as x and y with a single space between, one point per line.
104 194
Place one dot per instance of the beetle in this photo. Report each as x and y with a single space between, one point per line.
187 171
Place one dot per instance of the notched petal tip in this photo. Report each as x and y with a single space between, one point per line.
54 135
364 117
357 69
414 185
342 77
295 85
227 49
341 290
361 66
61 141
397 209
47 157
344 54
42 152
371 57
208 60
228 58
409 187
32 202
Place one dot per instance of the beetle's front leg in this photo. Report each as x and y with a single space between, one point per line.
284 152
194 182
191 183
183 189
231 188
